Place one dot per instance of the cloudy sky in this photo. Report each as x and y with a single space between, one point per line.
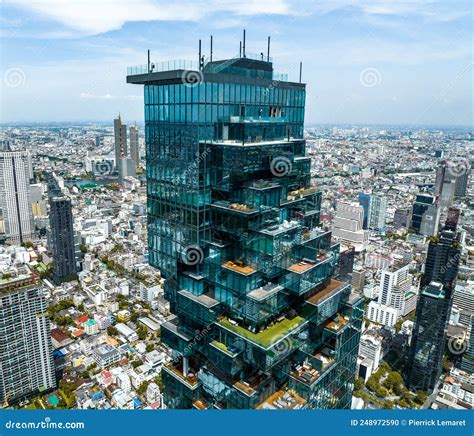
374 62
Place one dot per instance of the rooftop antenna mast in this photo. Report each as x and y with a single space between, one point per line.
301 70
240 49
243 45
268 50
211 48
199 61
148 60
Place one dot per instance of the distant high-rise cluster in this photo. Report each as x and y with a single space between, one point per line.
127 158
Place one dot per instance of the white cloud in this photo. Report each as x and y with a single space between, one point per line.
91 17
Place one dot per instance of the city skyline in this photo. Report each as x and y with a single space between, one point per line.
390 63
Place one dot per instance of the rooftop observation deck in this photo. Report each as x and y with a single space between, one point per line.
251 66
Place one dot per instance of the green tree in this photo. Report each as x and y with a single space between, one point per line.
394 382
111 330
421 397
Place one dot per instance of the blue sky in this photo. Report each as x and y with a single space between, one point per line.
374 62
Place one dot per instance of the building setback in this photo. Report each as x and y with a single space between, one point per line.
234 227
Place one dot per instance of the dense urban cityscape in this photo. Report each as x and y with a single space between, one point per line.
225 256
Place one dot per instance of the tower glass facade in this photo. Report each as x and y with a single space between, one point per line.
434 309
62 238
234 226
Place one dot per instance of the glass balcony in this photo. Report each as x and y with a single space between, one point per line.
159 67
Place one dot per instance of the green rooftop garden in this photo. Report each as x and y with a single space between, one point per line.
266 338
223 348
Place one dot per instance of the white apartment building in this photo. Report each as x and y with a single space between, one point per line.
348 225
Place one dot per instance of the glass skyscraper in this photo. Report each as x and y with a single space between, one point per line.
434 308
234 226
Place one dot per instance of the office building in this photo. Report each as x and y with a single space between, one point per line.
234 227
377 214
15 197
61 241
433 311
26 357
365 201
452 177
134 145
348 225
375 210
462 182
429 338
120 137
425 215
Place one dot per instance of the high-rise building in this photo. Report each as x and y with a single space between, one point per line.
61 238
433 310
378 212
462 182
348 225
375 210
429 337
452 179
396 297
234 226
365 201
120 135
25 341
15 197
425 215
134 145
